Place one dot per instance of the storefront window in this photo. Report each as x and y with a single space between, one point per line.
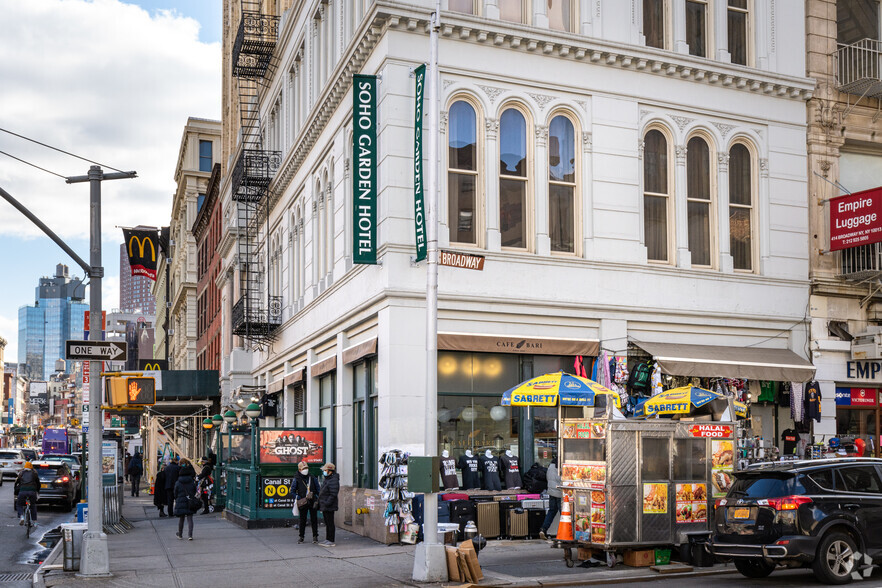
544 434
857 423
327 392
477 423
365 422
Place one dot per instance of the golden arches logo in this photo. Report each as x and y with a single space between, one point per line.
142 244
151 367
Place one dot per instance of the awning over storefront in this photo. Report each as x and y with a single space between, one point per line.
712 361
519 345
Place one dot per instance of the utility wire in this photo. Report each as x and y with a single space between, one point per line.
59 150
33 165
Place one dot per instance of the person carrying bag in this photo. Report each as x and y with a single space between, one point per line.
327 501
306 489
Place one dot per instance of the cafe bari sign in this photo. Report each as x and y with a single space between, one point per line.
856 219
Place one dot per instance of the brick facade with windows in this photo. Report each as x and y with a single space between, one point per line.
207 230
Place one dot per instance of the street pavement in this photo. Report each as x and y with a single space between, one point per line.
19 555
225 555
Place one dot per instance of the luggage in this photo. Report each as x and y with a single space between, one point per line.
535 479
443 512
529 497
488 519
505 497
539 503
454 496
461 512
518 524
482 498
505 506
535 518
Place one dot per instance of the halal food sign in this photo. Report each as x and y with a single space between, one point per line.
719 431
856 219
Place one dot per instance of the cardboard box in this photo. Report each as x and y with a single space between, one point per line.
467 552
585 553
452 567
640 558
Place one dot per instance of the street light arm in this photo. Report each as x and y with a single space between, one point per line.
42 226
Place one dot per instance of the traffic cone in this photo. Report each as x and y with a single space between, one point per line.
565 527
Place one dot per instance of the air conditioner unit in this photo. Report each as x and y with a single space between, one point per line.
867 345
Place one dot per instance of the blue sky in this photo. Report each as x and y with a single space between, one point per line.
154 64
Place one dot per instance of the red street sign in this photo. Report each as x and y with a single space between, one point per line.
856 219
721 431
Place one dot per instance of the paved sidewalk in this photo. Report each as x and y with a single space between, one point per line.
225 555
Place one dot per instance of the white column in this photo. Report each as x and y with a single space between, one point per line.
678 28
310 384
491 9
760 16
493 241
764 211
540 179
585 17
443 204
586 188
726 262
681 226
342 424
720 14
540 14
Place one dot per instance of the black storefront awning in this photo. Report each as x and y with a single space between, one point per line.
714 361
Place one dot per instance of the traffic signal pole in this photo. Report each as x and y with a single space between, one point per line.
95 561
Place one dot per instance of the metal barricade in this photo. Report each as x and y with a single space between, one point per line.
114 522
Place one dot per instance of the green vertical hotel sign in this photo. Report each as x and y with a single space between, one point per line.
419 212
364 156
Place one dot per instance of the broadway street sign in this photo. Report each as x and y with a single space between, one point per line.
96 350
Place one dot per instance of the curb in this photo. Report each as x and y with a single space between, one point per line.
48 564
584 581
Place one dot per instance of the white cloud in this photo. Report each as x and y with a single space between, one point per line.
106 81
9 331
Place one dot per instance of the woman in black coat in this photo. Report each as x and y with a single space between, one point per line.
327 501
306 486
159 492
185 488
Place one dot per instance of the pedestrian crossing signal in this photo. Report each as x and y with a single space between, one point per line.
134 391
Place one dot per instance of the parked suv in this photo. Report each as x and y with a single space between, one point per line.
11 462
817 513
57 484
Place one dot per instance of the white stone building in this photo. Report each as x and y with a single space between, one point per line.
632 172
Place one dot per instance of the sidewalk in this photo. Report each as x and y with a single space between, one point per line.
225 555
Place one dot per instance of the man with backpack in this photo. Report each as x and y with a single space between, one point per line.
554 495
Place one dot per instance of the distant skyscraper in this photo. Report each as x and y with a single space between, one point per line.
56 316
134 291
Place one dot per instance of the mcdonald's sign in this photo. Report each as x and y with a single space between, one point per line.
142 247
147 365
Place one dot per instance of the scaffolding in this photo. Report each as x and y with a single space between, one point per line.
256 315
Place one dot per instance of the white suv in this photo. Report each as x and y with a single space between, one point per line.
11 462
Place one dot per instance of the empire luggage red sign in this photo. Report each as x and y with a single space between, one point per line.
716 431
856 219
291 446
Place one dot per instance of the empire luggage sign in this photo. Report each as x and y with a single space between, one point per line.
291 446
364 156
856 219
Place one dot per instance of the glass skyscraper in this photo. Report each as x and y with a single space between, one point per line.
56 316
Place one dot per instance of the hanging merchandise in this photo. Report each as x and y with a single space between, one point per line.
784 397
621 376
579 366
813 401
768 391
640 379
398 515
796 402
656 380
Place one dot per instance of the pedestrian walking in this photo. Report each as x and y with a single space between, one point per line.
306 489
160 496
172 470
185 491
134 471
27 485
204 483
327 501
554 496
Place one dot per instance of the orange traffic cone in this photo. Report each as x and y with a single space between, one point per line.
565 527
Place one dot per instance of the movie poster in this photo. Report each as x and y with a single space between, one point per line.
291 446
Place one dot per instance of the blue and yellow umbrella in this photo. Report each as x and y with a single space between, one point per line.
557 388
683 400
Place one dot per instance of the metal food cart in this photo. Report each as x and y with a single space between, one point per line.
636 483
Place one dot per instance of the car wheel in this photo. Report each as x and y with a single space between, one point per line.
835 560
754 567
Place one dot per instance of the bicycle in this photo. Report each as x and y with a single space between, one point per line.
28 524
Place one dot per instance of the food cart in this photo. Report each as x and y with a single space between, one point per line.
641 482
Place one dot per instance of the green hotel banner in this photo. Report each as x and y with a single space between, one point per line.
364 157
419 211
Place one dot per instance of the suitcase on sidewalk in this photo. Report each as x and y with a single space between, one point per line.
479 498
461 512
505 507
518 524
505 497
529 497
488 519
535 518
537 504
443 512
454 496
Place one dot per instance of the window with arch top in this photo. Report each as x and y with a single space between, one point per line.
741 207
698 200
656 195
513 176
462 173
562 184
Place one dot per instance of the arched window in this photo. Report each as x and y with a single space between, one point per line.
698 200
656 196
562 184
513 178
741 207
462 173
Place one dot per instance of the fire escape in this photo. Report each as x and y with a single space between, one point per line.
256 315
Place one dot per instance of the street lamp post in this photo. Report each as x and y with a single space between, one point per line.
207 424
253 412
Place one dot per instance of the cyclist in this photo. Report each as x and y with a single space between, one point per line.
27 484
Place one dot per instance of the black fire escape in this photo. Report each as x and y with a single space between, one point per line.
256 315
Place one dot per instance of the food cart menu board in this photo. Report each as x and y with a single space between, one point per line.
691 503
584 430
655 498
589 515
722 465
584 474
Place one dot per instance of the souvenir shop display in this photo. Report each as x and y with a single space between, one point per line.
448 471
511 471
468 465
399 518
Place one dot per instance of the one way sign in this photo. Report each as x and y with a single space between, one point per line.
96 350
